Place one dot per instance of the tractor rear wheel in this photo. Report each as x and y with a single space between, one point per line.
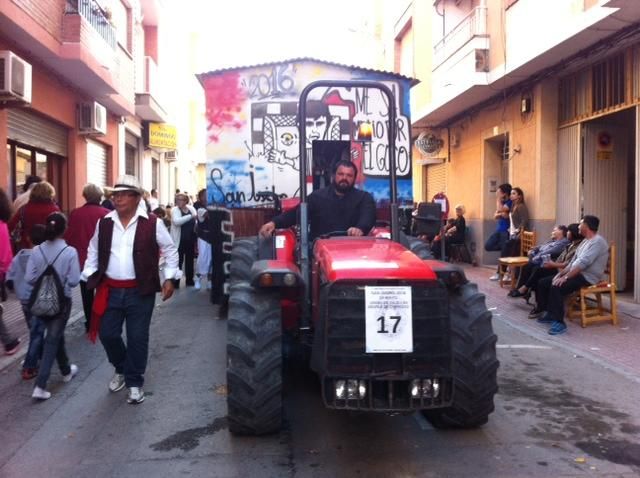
475 363
243 254
254 361
417 246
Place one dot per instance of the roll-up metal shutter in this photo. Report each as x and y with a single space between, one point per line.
96 163
436 180
30 129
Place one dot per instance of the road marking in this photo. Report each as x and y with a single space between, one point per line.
523 346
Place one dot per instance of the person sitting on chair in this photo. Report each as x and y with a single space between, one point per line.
537 257
337 207
454 233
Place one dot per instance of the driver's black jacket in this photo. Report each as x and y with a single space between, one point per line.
329 212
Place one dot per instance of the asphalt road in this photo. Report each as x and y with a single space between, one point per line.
556 415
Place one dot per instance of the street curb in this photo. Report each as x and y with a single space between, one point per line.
578 353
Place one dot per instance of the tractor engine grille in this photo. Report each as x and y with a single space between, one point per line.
344 333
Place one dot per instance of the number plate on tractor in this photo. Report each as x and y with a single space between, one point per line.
389 327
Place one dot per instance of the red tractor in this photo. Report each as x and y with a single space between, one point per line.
387 328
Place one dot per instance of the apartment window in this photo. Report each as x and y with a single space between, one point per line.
129 160
121 18
404 51
608 83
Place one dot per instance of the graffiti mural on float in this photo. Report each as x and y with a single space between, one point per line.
253 138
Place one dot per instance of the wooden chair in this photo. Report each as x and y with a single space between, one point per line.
527 241
586 304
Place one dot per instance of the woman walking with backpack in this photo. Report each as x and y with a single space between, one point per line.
64 259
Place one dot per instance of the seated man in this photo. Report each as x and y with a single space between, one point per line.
337 207
586 268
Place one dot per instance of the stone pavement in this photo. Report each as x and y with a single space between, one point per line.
615 348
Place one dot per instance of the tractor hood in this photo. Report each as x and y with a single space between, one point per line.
346 258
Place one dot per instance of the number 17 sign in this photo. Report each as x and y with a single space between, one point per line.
389 327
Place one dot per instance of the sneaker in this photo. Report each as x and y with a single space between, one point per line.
117 383
40 394
196 284
506 278
136 395
12 348
29 373
494 277
209 285
545 319
74 370
558 328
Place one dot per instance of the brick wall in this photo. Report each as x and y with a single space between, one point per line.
46 13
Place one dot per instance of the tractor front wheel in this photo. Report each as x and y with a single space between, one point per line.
254 361
475 364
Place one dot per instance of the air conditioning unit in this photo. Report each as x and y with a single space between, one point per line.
15 78
171 155
92 118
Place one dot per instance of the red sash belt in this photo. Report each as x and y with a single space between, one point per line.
101 301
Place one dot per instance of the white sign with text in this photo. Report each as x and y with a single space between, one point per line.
389 327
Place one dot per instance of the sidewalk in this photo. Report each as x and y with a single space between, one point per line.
613 347
14 320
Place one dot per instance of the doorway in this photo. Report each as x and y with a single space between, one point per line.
609 185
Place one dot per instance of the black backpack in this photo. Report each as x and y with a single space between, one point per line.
48 294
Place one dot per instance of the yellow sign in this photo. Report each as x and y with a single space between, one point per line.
163 136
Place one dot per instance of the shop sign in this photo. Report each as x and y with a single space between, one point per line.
163 136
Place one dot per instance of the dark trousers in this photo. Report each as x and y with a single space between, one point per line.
54 348
186 256
551 298
36 339
496 241
87 302
531 274
134 310
511 248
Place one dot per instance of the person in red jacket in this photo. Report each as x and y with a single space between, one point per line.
82 225
36 211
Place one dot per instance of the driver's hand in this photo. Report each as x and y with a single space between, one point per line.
267 229
354 231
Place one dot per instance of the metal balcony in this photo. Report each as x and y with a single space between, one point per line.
471 26
96 16
148 100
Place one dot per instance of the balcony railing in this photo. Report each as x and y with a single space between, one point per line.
96 17
474 24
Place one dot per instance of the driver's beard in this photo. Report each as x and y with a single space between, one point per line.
342 188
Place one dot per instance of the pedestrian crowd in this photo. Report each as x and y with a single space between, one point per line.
121 247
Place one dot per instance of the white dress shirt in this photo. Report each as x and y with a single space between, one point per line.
120 265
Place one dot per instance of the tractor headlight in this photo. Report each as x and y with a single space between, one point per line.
266 280
289 279
341 389
415 388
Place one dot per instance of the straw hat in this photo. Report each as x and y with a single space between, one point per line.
126 182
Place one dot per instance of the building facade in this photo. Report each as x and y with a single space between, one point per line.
90 72
541 94
253 143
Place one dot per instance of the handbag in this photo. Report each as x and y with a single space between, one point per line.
16 233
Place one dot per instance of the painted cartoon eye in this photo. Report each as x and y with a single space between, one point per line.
287 139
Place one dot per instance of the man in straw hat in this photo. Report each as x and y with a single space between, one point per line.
122 264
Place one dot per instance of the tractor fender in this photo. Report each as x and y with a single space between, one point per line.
277 269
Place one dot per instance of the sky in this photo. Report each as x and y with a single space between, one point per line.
245 32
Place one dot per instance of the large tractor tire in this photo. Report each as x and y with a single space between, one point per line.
243 254
475 364
254 361
417 246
